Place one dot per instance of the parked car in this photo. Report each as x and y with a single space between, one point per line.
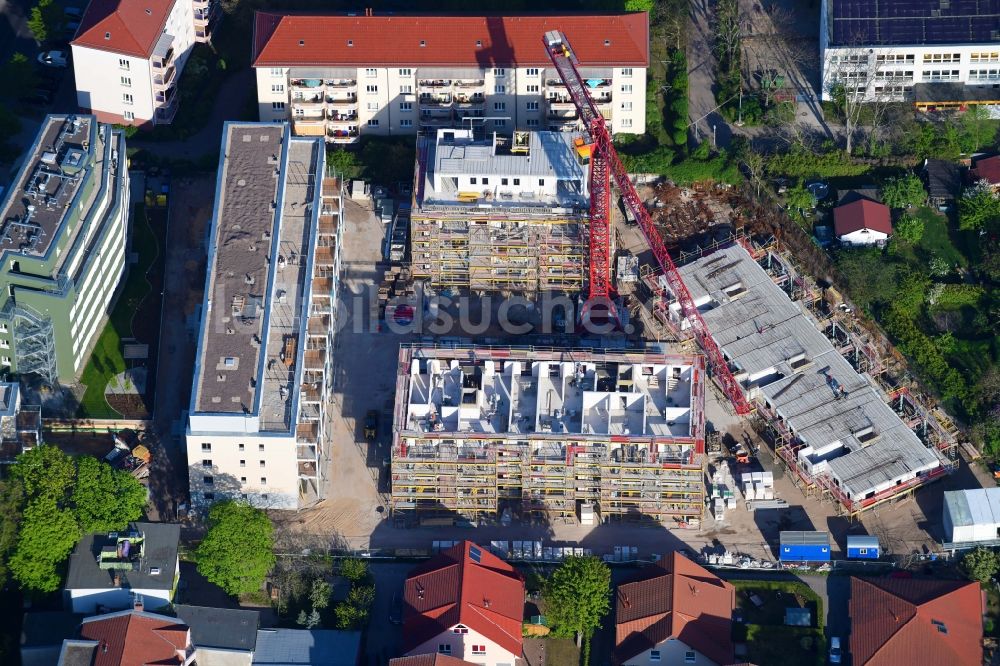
53 59
73 13
371 424
70 28
835 653
396 609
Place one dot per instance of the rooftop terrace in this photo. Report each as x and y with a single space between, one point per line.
783 359
265 217
50 181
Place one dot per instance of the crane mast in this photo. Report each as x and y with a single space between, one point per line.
604 165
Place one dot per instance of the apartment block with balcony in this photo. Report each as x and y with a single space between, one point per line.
63 239
257 419
129 56
344 76
944 54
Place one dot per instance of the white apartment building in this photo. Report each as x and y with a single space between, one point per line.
938 54
256 425
129 55
341 76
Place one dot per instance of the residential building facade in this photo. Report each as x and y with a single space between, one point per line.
674 612
63 243
465 603
548 434
343 76
500 214
20 425
934 56
128 56
859 221
257 420
116 570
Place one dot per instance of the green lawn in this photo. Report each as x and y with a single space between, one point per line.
936 239
768 640
106 360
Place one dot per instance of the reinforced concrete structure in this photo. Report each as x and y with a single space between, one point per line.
63 234
488 432
343 76
832 425
256 427
500 213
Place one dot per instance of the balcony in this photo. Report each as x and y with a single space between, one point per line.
554 83
314 359
434 84
164 80
347 101
165 114
306 433
343 118
306 127
342 84
435 120
470 83
435 101
306 84
316 113
202 17
200 4
562 114
307 100
599 84
561 104
342 135
469 101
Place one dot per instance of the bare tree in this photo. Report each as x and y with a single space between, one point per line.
754 164
774 50
861 86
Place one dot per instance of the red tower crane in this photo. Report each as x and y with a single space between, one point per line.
605 164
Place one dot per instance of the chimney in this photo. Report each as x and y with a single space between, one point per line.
137 604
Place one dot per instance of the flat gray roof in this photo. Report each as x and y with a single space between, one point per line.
220 628
158 553
780 352
978 506
47 185
805 538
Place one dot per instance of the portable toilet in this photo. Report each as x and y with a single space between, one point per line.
804 547
863 547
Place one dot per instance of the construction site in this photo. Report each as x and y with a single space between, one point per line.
500 214
548 434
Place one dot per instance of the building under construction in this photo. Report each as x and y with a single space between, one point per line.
814 382
548 434
500 214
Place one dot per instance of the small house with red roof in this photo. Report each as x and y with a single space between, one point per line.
130 638
859 220
674 612
464 603
912 621
128 56
988 169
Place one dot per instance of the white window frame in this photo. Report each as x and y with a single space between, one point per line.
128 99
499 72
499 106
126 81
277 71
277 88
406 90
406 71
532 71
371 72
626 71
406 122
373 122
129 115
371 89
124 63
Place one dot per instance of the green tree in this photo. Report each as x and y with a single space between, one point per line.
639 5
577 596
106 499
798 200
903 192
348 617
343 161
870 279
978 129
980 564
911 292
319 593
237 552
354 569
17 76
310 621
11 502
909 230
979 207
45 21
47 537
47 473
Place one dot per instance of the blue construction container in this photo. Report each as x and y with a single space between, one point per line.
804 547
863 547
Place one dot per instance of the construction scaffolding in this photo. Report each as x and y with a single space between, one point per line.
485 466
784 396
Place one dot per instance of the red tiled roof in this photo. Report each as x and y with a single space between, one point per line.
893 621
486 596
470 41
674 598
436 659
129 27
136 639
987 169
861 214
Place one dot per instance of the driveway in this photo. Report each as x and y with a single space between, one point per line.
701 74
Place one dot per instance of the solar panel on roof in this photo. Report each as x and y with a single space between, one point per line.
475 554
